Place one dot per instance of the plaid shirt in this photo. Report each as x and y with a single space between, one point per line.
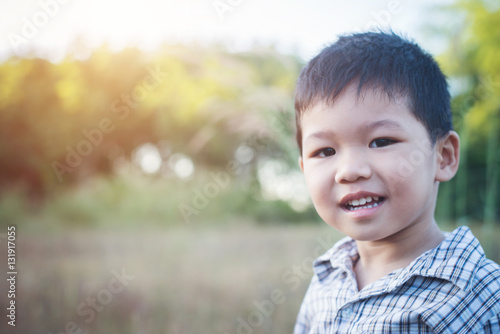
452 288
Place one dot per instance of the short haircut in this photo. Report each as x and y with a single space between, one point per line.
383 61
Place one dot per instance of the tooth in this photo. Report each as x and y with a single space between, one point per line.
375 198
355 202
362 201
369 206
368 199
350 202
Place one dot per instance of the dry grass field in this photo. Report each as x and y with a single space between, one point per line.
230 279
239 278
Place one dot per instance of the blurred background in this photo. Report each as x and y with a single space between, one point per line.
148 161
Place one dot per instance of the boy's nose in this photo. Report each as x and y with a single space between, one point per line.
352 166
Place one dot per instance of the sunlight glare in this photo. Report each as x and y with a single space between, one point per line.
182 165
148 158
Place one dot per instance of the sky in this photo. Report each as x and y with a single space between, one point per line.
48 28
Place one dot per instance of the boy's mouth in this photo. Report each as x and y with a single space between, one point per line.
367 202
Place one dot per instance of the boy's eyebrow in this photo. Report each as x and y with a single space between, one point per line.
385 123
319 135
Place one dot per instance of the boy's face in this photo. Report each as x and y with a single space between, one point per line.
369 165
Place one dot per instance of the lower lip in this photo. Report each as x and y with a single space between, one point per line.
364 213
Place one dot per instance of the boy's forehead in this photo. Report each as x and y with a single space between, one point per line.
357 95
352 96
376 109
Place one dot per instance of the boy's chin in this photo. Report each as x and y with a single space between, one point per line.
370 236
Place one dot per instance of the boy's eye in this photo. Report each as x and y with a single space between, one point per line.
381 142
325 152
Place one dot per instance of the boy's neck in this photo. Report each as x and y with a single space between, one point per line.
379 258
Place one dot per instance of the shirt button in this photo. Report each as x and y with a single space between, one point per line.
348 312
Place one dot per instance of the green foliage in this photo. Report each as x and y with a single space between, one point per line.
473 65
12 206
64 123
134 201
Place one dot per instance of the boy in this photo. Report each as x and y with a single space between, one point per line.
375 134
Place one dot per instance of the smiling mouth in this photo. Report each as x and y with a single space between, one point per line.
364 203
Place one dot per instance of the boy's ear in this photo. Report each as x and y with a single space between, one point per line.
448 156
301 164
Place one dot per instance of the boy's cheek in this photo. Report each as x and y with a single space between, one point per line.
411 164
318 186
393 183
311 180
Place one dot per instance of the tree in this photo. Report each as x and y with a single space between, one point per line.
473 65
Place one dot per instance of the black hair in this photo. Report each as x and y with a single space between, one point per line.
382 61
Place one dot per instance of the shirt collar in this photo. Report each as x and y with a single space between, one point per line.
340 256
456 259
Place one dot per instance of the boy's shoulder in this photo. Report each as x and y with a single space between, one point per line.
473 300
461 260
